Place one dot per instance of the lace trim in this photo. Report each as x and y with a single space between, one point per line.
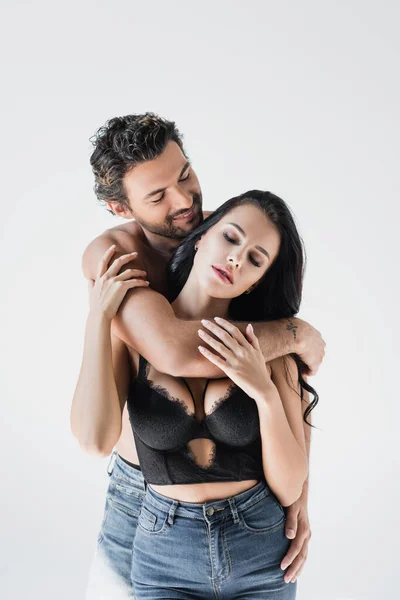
220 401
211 458
164 392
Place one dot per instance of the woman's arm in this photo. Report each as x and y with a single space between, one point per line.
102 388
283 445
103 383
283 441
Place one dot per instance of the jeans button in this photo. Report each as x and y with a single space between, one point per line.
209 512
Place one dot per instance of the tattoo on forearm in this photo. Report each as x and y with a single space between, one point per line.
292 327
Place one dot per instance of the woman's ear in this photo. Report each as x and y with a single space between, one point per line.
252 287
196 246
256 284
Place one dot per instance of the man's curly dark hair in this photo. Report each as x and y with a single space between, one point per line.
122 144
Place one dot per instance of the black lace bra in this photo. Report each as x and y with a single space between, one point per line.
164 430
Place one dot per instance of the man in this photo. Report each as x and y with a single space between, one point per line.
142 172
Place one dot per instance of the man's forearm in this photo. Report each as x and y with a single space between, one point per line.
278 338
147 322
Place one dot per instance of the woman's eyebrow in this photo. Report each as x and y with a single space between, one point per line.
260 248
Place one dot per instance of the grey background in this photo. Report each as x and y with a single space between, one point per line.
298 98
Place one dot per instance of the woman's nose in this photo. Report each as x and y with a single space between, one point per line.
234 261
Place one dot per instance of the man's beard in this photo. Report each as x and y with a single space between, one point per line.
169 229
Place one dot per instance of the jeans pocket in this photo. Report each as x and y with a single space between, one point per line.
263 516
152 521
129 489
125 497
129 485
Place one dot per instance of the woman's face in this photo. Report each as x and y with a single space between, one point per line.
236 252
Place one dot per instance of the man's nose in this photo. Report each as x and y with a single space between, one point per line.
182 200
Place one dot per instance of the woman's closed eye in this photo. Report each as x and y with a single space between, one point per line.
236 241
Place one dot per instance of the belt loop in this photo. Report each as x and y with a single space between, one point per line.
233 510
111 462
171 513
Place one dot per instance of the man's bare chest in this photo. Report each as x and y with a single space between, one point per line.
153 262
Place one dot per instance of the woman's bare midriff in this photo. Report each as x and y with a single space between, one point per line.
193 492
204 492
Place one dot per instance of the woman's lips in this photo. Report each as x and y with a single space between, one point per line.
222 276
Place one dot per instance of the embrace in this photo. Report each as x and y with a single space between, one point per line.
194 379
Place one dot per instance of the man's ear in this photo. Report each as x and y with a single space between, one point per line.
119 210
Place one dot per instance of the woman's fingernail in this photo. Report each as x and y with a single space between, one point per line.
204 321
290 533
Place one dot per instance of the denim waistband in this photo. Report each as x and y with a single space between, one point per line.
117 465
212 508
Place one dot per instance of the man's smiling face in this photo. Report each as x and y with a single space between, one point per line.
164 194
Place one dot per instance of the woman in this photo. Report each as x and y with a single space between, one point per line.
222 458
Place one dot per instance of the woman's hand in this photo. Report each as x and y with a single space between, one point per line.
109 288
242 359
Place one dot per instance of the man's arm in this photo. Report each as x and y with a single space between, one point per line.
147 322
286 336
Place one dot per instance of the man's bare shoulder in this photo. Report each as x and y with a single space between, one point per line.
207 213
128 237
125 233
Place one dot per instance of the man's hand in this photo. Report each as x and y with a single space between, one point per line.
297 528
312 344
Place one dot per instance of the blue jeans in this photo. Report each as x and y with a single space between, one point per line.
110 573
218 550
